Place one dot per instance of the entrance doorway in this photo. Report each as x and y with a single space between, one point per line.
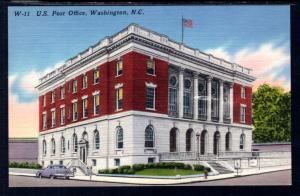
217 143
83 154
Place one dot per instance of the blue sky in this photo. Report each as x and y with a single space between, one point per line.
37 43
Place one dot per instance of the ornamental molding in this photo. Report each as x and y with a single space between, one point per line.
95 93
145 37
52 109
150 84
62 106
119 85
84 97
74 100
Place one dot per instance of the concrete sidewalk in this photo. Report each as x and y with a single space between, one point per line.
157 181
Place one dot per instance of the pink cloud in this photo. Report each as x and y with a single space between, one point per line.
23 117
264 61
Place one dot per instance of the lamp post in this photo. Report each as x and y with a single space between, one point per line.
198 145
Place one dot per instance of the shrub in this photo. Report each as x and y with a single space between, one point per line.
198 167
150 165
130 171
25 165
138 167
179 165
186 166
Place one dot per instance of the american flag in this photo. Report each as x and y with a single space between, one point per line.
187 23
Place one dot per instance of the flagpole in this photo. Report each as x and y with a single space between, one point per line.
182 30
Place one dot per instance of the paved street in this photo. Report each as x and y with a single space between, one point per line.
274 178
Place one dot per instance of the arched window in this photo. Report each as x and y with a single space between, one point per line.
203 142
44 147
228 141
149 137
96 139
188 140
62 145
75 143
242 141
173 140
85 136
52 146
119 137
217 143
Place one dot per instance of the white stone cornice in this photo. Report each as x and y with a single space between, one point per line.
84 97
74 100
62 106
44 112
52 109
95 93
150 84
119 85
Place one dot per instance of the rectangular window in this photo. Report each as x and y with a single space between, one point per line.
94 162
75 111
214 99
150 98
243 114
226 102
96 76
96 104
84 81
62 116
202 98
44 121
53 118
173 101
151 160
117 162
151 67
75 86
62 92
119 68
119 98
61 162
243 92
84 108
44 100
52 96
187 104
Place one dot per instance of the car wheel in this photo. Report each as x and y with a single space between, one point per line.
67 178
52 177
40 176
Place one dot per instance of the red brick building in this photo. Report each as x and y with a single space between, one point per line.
140 97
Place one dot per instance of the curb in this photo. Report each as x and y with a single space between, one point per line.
164 184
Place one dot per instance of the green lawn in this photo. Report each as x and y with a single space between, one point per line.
167 172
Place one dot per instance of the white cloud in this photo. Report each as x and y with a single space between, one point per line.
31 79
220 52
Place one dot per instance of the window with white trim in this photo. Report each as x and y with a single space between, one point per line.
52 96
96 104
44 147
62 145
202 100
214 99
242 113
96 76
53 119
151 67
119 98
187 98
149 137
84 81
117 162
150 97
75 111
44 100
75 142
119 68
84 108
52 146
242 141
44 121
173 91
74 86
62 92
243 92
226 102
62 115
96 140
119 137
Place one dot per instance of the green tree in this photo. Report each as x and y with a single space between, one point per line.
271 114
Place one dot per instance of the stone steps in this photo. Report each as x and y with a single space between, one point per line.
218 167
